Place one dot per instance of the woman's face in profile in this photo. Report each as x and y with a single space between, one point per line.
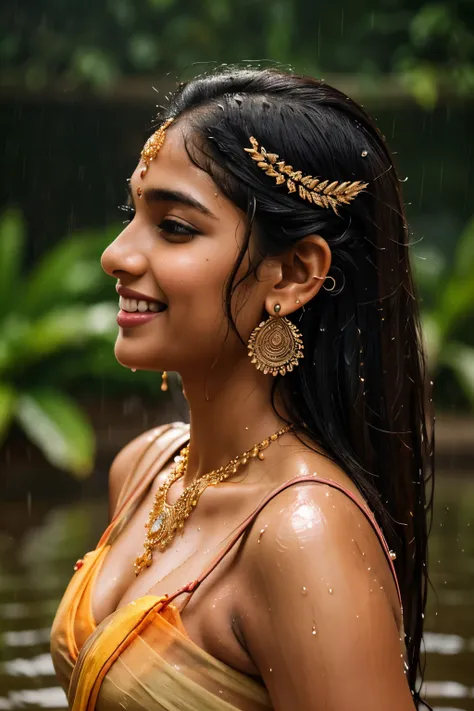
179 250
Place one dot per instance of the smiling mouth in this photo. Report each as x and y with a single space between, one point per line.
141 306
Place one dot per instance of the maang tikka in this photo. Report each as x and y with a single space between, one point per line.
275 346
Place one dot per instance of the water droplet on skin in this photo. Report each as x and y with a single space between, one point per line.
262 531
270 670
313 629
304 590
330 591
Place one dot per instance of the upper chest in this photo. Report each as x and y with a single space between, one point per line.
210 613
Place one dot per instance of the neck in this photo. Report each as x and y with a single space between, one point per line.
228 416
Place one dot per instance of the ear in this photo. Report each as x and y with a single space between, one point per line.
298 275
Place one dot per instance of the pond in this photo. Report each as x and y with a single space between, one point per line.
39 544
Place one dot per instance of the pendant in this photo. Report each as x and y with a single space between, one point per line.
157 523
158 528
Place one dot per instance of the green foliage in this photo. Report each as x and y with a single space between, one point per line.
47 314
430 44
447 313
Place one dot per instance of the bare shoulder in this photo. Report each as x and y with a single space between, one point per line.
313 526
126 463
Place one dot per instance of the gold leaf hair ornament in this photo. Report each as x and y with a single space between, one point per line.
152 146
322 193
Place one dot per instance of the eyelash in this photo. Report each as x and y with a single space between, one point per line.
172 226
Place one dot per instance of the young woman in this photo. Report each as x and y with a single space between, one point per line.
279 562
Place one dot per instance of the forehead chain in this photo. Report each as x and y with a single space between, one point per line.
152 146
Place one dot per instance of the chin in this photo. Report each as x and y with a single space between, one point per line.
132 355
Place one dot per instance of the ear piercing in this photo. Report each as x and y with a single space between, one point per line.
324 279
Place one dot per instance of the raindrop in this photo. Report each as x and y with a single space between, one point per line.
304 590
262 531
313 629
330 591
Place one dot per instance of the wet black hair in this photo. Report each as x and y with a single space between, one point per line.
360 389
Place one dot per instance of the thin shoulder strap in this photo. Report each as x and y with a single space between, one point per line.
192 586
171 439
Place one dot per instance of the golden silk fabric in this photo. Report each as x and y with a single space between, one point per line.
140 657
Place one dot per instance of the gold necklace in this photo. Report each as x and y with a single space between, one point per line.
165 520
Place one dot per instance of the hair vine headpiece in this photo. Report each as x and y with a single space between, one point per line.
152 146
321 192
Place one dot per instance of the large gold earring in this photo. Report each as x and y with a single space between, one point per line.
275 345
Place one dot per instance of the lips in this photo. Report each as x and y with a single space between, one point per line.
137 308
138 295
129 320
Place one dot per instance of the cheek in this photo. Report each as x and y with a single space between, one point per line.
194 277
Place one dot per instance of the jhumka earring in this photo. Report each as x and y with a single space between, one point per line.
164 381
275 345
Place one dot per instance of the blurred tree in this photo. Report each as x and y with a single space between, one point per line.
429 44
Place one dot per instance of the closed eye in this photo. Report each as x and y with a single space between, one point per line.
173 228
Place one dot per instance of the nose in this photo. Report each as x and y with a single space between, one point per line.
122 257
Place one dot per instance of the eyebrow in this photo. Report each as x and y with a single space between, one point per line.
163 195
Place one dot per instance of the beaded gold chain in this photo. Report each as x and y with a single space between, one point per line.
165 520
